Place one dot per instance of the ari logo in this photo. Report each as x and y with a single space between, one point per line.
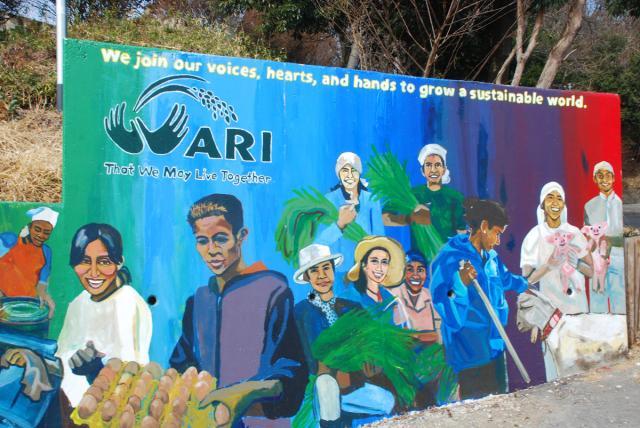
170 134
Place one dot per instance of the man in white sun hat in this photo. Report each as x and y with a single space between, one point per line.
321 309
607 207
25 259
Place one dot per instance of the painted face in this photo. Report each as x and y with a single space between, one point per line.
216 243
39 231
377 266
491 239
321 277
604 179
97 272
553 205
415 275
433 169
349 177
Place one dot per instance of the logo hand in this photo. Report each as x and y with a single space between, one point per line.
170 134
128 140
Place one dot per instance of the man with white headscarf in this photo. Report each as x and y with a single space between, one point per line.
25 259
607 207
355 203
541 263
439 204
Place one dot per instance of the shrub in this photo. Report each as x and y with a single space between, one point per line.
28 54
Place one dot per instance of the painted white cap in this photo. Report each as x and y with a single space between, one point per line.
44 214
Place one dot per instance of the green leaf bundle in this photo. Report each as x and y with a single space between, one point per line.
368 336
300 221
390 183
305 416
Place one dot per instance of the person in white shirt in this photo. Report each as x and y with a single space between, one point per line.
607 207
540 262
109 319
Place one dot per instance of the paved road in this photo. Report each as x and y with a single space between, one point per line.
632 216
604 397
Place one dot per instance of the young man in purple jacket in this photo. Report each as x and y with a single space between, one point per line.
240 327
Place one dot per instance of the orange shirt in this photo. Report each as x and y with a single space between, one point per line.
20 270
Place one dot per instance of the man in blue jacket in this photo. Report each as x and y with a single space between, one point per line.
472 343
240 326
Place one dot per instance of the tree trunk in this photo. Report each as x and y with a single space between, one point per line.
533 40
354 56
440 36
505 66
574 21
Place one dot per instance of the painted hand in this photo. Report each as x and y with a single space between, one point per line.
232 402
346 215
14 357
170 134
128 140
45 298
534 334
421 215
371 370
35 378
467 273
555 260
87 361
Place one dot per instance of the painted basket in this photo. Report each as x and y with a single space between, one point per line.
25 314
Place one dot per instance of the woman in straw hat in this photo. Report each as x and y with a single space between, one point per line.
379 263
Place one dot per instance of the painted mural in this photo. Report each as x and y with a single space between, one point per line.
252 243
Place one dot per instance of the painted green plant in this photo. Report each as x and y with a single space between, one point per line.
389 183
301 219
369 336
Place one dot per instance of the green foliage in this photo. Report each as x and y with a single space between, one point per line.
612 64
305 417
9 7
432 366
28 54
83 10
623 7
27 70
369 336
389 182
279 16
180 33
301 218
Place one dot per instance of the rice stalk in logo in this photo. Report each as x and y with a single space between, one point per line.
170 134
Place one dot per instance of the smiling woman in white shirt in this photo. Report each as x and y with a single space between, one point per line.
108 319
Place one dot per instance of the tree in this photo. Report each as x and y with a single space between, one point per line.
623 7
82 10
409 37
278 16
523 9
572 25
8 8
538 8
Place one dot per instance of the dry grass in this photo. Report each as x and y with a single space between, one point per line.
31 157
